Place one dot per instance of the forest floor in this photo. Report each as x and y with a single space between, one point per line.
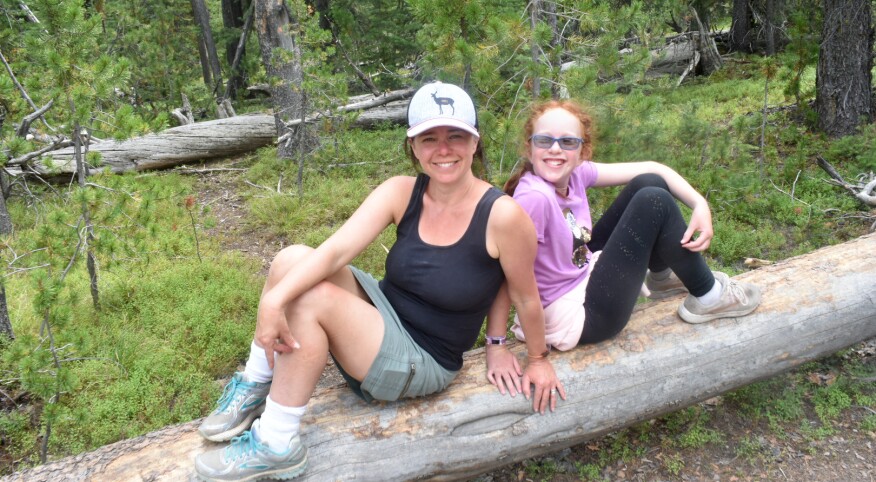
744 449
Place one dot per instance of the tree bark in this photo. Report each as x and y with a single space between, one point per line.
277 29
813 305
740 29
843 79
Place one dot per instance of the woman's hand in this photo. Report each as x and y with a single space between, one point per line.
272 329
700 222
540 372
503 369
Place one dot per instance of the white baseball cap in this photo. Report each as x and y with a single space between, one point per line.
439 104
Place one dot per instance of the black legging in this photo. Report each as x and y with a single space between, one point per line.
641 229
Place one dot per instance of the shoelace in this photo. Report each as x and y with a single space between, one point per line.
242 446
230 393
737 292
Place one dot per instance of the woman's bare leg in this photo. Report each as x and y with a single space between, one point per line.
335 314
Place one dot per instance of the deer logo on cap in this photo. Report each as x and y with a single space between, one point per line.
442 101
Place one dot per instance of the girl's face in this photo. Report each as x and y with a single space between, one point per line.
555 164
445 153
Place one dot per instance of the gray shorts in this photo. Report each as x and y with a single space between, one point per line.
402 368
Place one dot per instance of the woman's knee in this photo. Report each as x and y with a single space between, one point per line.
285 260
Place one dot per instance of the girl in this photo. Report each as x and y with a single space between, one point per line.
589 277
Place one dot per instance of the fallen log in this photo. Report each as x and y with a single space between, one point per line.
813 306
203 141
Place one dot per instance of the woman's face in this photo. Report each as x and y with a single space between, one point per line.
555 164
444 153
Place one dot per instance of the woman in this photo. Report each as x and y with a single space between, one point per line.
589 279
457 242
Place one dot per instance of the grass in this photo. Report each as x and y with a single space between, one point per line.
170 325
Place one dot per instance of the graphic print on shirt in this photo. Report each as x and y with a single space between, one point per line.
580 238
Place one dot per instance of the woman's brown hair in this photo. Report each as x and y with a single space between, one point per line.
536 111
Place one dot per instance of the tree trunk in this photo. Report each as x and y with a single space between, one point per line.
232 18
534 7
740 29
82 173
5 321
209 56
277 29
5 230
843 79
813 305
770 26
556 55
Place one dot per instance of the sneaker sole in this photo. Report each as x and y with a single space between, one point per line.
234 431
279 474
692 318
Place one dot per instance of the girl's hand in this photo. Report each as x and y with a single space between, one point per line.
540 372
701 223
503 369
272 330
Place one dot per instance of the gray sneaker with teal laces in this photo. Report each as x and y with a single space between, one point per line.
241 403
247 459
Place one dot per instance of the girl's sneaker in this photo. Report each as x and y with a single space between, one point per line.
737 299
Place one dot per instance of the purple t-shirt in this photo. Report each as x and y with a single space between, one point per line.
555 271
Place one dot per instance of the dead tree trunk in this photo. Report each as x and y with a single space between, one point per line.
277 29
209 57
813 306
843 96
233 18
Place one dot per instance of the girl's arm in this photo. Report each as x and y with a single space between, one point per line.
385 205
701 216
512 233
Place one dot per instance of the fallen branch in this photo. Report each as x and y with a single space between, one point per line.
28 119
368 103
56 144
863 192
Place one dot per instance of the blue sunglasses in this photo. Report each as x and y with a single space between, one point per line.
546 142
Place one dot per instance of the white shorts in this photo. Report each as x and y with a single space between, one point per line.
564 317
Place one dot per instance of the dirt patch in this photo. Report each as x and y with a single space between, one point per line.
739 448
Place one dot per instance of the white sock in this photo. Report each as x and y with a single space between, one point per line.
257 368
661 275
278 425
713 296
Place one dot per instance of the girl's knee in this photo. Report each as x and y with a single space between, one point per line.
649 180
654 193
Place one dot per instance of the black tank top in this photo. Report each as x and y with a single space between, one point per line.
442 293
